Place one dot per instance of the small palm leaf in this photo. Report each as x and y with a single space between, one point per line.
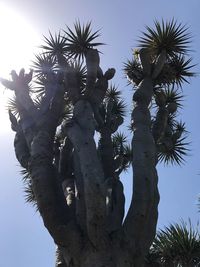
44 64
55 45
25 175
173 150
29 194
169 36
119 108
182 69
178 244
133 71
173 96
28 190
79 41
80 72
112 93
175 71
12 106
119 140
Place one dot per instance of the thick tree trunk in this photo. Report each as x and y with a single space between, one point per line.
87 233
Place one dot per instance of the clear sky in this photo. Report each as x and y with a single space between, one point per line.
23 239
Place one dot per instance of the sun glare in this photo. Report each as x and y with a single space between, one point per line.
18 43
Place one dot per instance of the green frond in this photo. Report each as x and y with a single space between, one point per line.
170 36
81 39
113 93
55 45
128 156
39 88
29 194
178 244
80 71
176 70
133 71
43 64
122 152
28 190
12 106
171 121
25 175
173 150
38 100
173 96
181 69
119 108
180 126
119 139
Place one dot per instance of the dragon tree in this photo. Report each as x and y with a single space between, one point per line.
66 114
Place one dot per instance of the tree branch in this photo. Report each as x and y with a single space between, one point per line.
80 132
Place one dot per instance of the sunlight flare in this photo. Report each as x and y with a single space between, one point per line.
17 46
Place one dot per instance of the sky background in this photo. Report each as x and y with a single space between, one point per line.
23 239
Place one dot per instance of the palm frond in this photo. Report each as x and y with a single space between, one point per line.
133 71
80 71
175 71
119 108
171 121
43 64
112 93
38 101
173 96
181 69
172 150
12 106
25 175
170 36
178 244
119 139
39 88
180 126
29 194
55 45
122 152
28 190
81 39
127 157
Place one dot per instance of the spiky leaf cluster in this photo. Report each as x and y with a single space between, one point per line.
170 36
64 52
174 39
173 147
122 151
28 190
133 71
176 71
80 40
113 108
55 45
177 245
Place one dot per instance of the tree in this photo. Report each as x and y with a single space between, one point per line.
74 178
177 245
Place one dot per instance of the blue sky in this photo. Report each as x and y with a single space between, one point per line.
23 239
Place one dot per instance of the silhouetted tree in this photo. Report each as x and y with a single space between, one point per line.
74 179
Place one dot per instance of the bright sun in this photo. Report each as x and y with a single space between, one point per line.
18 44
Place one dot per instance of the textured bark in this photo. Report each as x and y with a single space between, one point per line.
78 193
81 132
107 155
141 220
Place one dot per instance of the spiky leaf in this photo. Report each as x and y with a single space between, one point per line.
81 39
170 36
